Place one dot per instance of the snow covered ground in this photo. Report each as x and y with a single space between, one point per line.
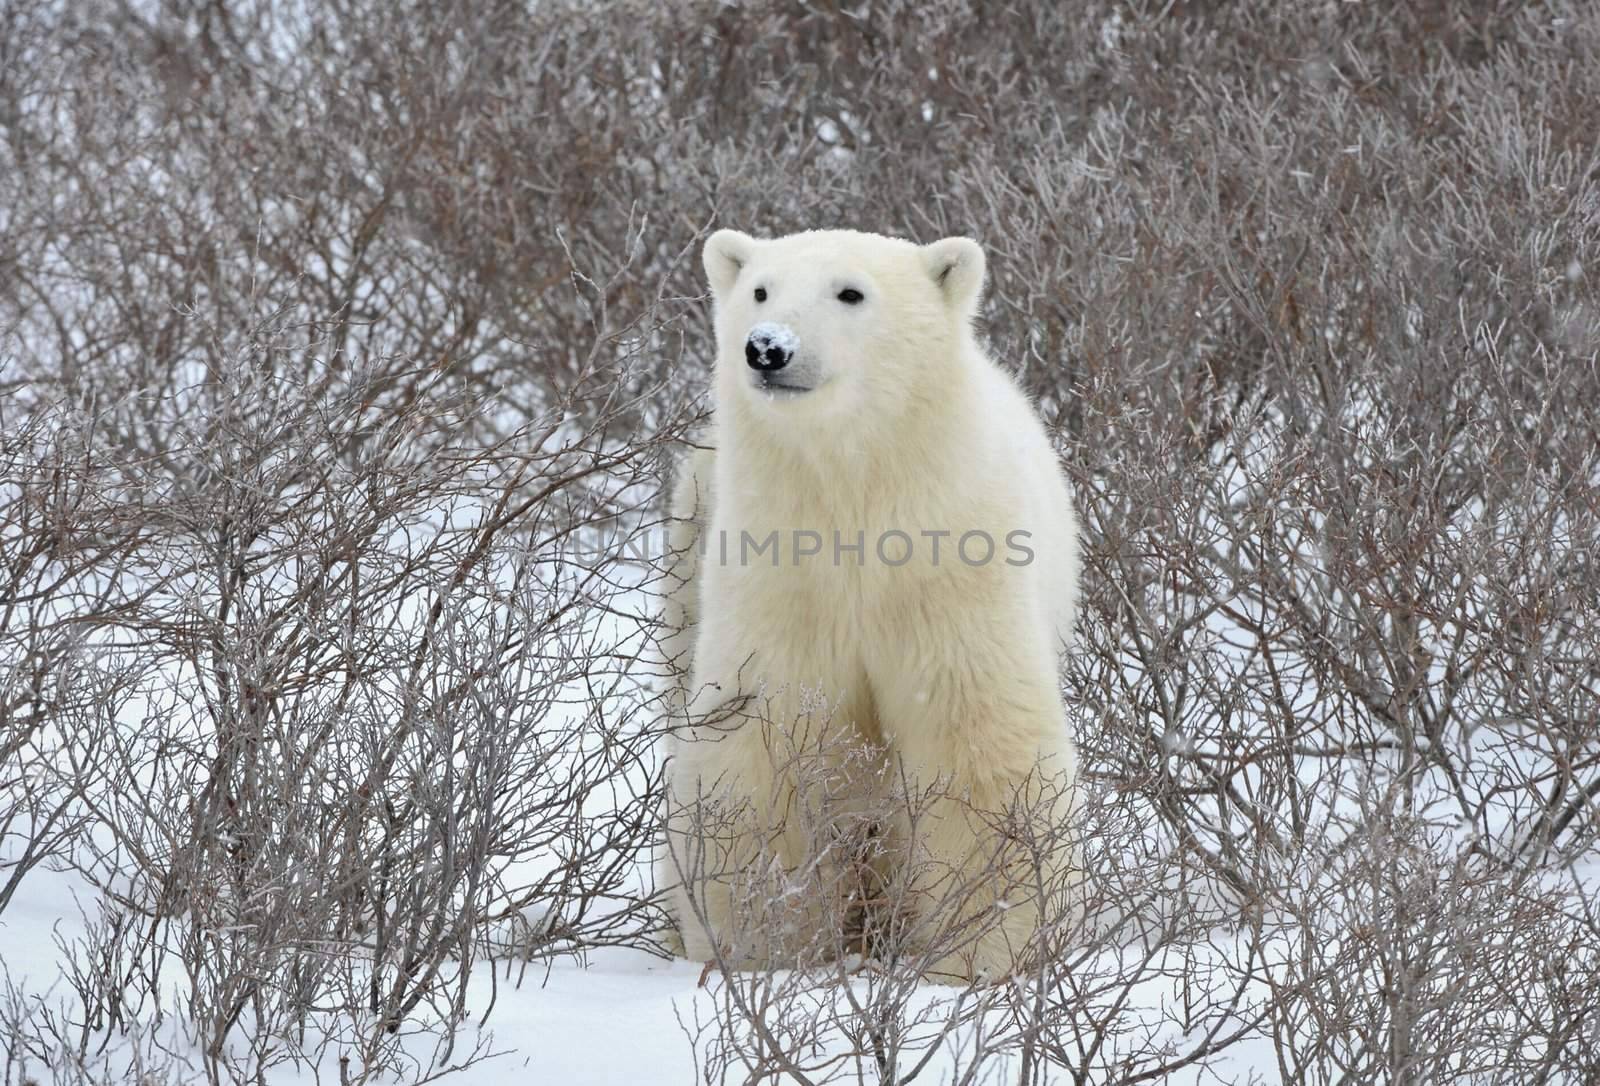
612 1021
623 1017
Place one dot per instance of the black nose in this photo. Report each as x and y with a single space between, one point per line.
765 355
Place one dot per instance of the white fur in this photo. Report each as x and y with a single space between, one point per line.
910 427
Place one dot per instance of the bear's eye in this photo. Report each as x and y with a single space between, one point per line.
850 296
761 294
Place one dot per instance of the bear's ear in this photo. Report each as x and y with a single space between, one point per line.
725 253
956 266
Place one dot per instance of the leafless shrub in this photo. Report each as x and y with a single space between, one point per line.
44 1044
1415 961
372 700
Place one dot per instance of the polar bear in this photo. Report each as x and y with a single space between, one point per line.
877 551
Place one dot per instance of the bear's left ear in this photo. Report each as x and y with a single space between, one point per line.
956 265
725 253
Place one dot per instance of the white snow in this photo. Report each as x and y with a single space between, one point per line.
777 335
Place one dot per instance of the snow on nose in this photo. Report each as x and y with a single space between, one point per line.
773 334
771 345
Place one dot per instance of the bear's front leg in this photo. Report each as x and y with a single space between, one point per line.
979 732
766 793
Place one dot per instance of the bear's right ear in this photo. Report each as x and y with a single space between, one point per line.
725 253
956 266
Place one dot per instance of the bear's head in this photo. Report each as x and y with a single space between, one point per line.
838 324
